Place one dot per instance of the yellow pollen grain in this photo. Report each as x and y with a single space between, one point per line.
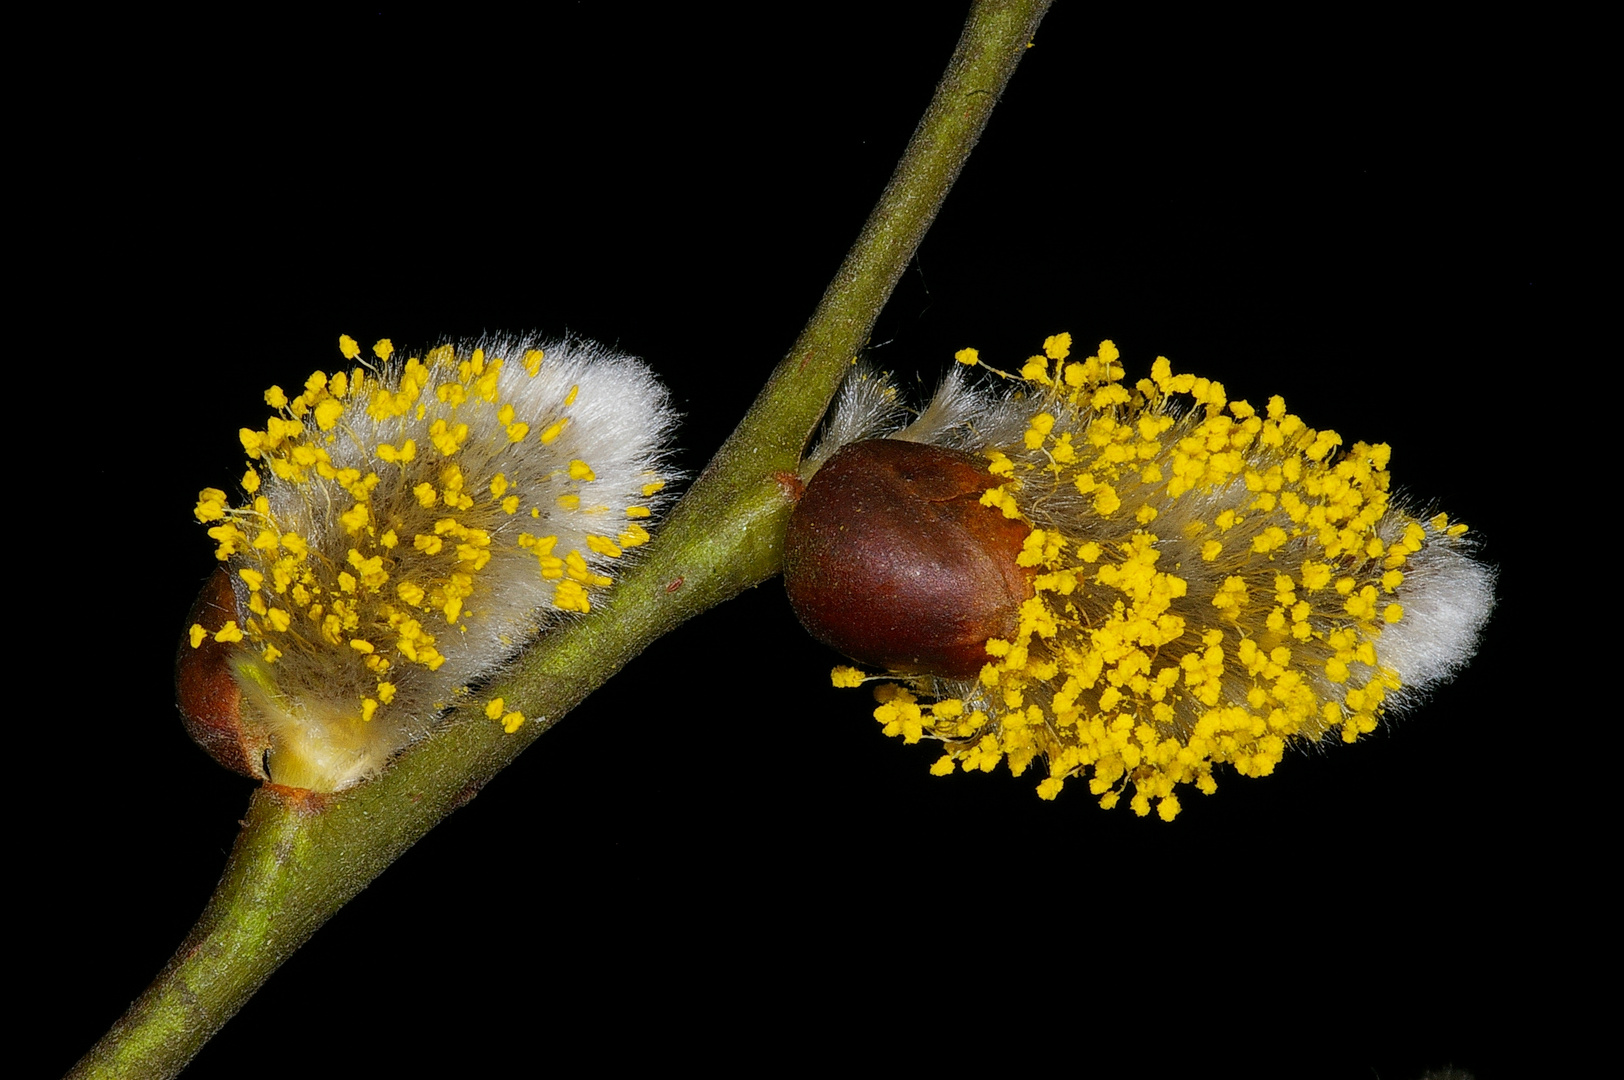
328 412
570 596
844 676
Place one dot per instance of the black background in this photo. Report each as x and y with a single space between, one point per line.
718 857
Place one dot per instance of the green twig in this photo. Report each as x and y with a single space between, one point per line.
301 856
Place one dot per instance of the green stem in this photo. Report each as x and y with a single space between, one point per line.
300 856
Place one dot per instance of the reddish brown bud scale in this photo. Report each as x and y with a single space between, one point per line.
891 559
206 690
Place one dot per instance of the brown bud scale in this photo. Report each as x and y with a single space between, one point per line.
891 559
206 690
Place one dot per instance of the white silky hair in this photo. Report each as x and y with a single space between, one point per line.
1448 595
866 406
959 415
965 416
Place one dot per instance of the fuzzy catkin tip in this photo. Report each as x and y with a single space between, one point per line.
405 528
1211 583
